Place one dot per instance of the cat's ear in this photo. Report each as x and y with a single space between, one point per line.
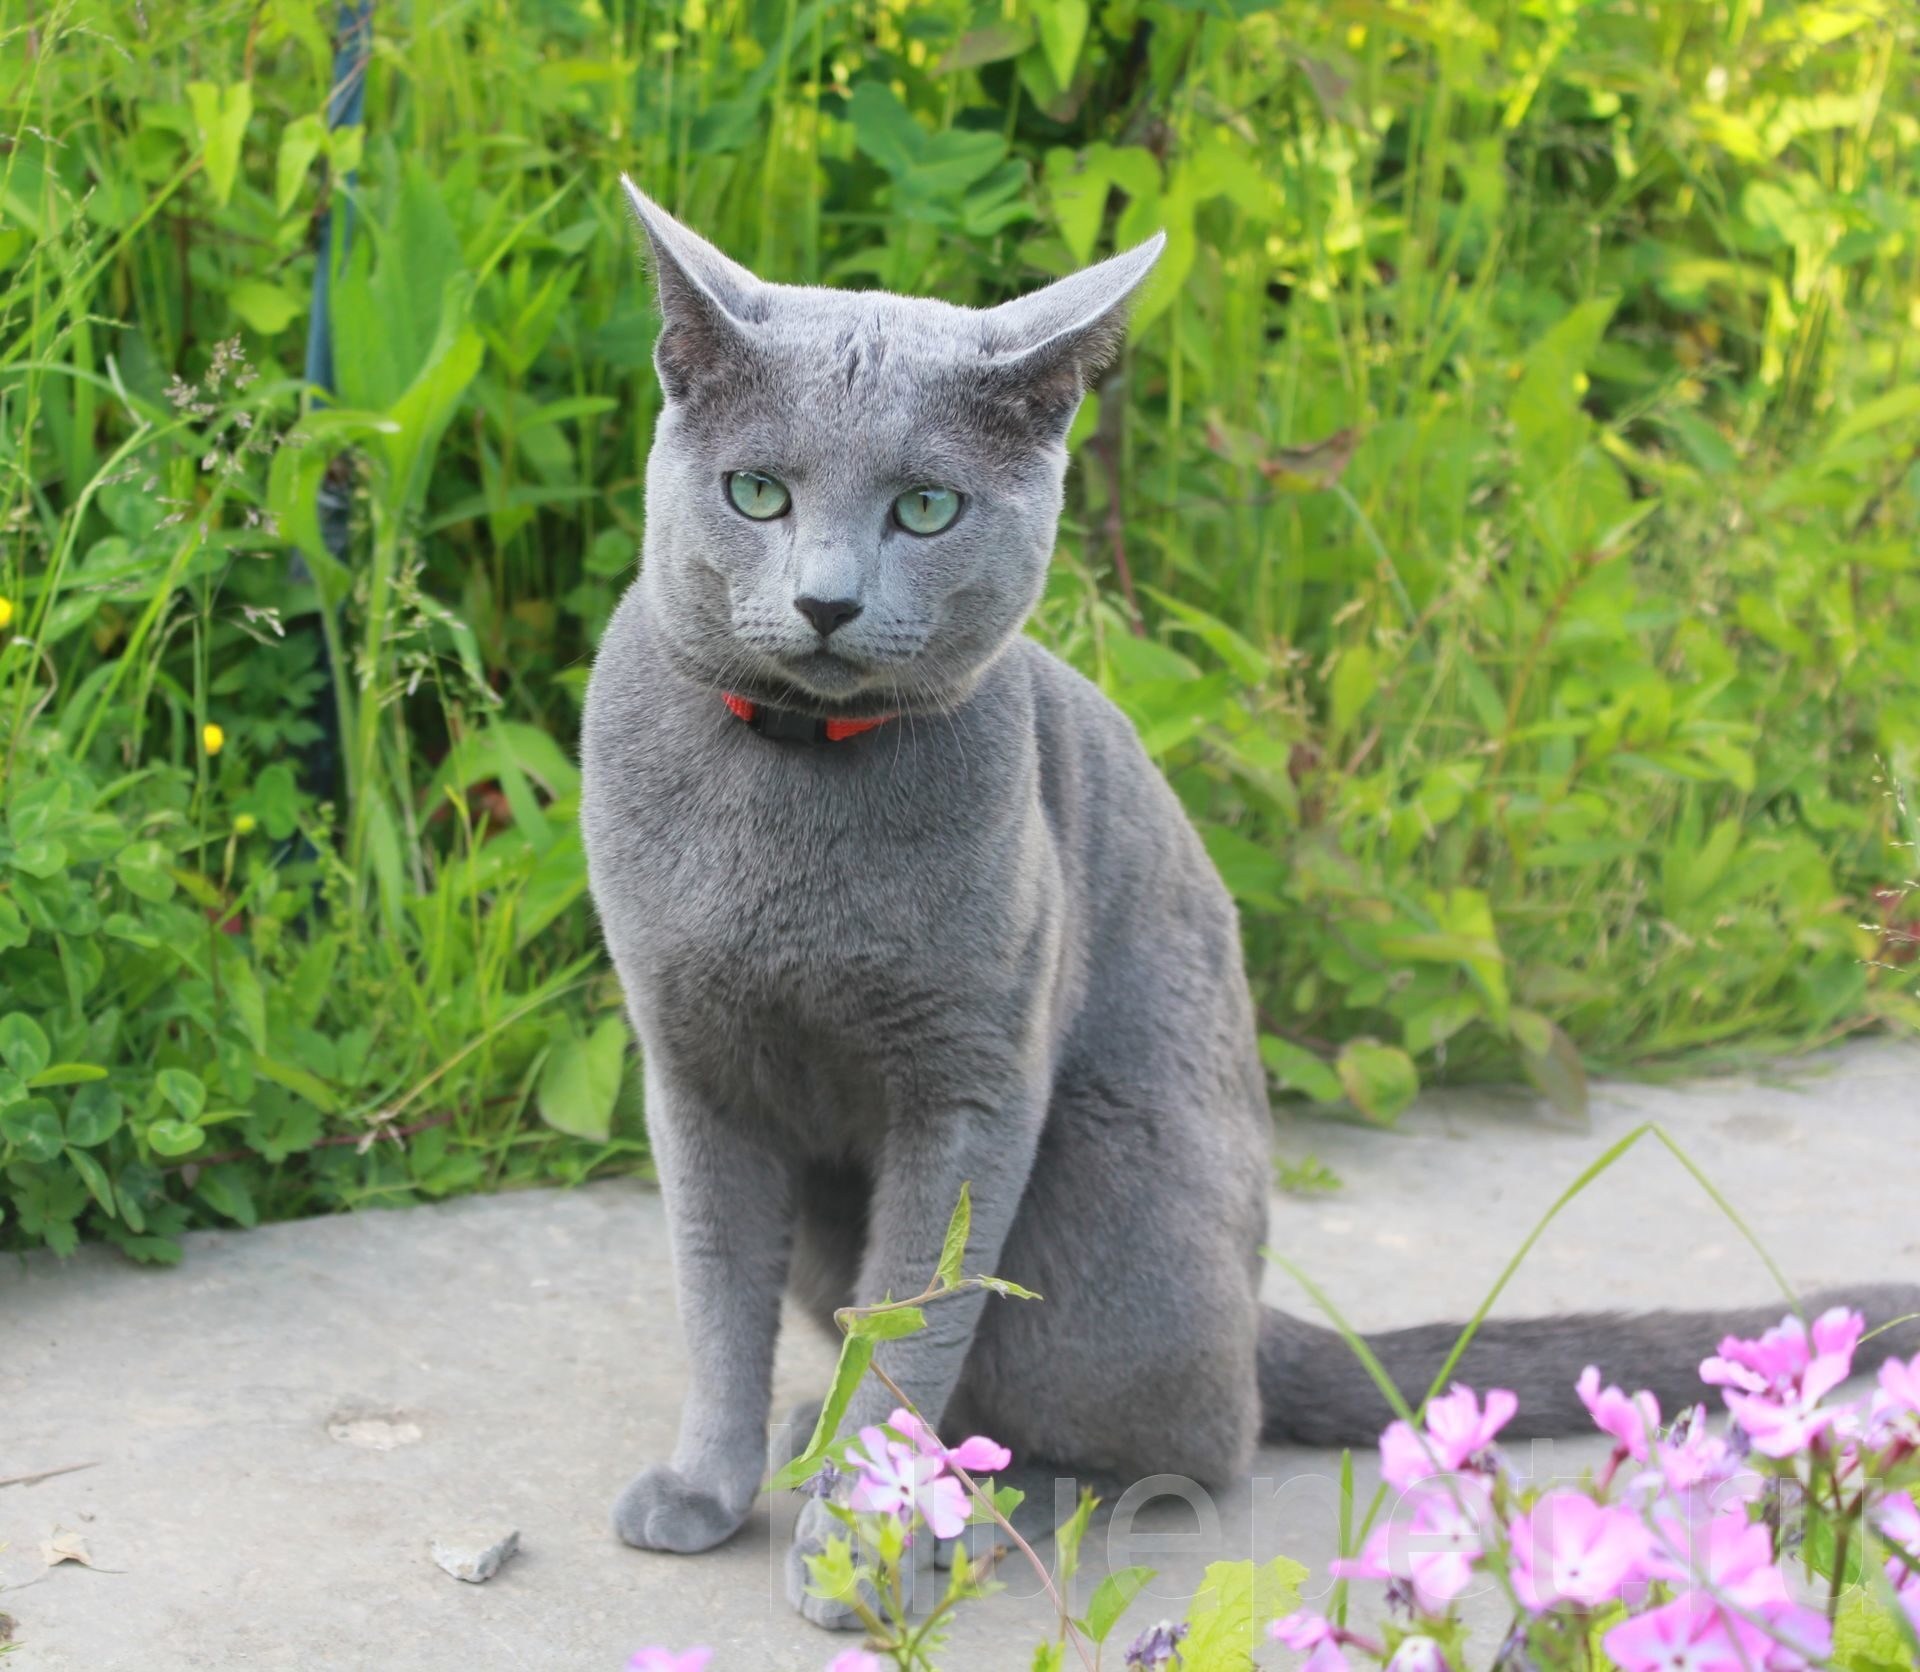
707 303
1045 349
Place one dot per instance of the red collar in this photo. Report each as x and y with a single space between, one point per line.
786 726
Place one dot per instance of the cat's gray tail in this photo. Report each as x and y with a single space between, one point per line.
1314 1391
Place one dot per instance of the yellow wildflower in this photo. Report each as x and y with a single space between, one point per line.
244 824
212 738
6 610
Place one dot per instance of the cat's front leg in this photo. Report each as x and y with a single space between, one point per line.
988 1145
729 1202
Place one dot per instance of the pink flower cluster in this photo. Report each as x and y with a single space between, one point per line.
1445 1474
911 1474
1676 1545
1899 1525
900 1470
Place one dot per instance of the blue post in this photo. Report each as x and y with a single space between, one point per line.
346 108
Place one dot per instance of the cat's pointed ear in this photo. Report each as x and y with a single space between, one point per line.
708 303
1046 349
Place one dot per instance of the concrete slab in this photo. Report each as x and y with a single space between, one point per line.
280 1427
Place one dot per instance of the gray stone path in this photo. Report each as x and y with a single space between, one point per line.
280 1426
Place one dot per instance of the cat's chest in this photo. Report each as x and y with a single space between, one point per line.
765 888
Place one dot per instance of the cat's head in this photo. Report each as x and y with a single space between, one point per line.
852 495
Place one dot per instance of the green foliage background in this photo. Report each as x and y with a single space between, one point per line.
1501 528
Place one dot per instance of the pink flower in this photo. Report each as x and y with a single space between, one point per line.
1685 1635
1899 1519
1632 1422
1784 1361
854 1660
1404 1458
895 1479
1434 1548
1730 1603
1727 1555
1567 1548
1774 1386
1906 1588
1899 1522
1693 1456
1457 1430
665 1660
976 1454
1418 1654
1896 1403
1690 1634
1460 1429
1313 1636
1798 1636
1777 1429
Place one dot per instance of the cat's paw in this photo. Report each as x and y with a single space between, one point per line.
815 1529
662 1510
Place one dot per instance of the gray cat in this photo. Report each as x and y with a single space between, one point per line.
899 902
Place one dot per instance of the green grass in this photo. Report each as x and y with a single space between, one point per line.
1502 529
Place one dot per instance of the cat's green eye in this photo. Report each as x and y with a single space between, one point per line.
756 496
926 510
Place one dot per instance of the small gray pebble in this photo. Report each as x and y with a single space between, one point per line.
475 1554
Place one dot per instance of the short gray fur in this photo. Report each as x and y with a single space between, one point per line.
981 943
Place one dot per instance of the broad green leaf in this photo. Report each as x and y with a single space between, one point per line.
144 870
23 1046
224 1189
1248 664
1256 876
94 1176
300 143
1077 187
990 43
953 1251
1067 1539
1889 408
221 114
297 1079
831 1574
1379 1079
1551 1061
174 1137
243 992
42 857
504 744
14 932
32 1127
1355 679
94 1115
66 1074
185 1090
1869 1636
1300 1070
1236 1603
1006 1499
1113 1598
856 1353
428 405
1062 26
268 308
580 1081
890 1325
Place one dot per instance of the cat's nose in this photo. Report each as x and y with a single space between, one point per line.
828 615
